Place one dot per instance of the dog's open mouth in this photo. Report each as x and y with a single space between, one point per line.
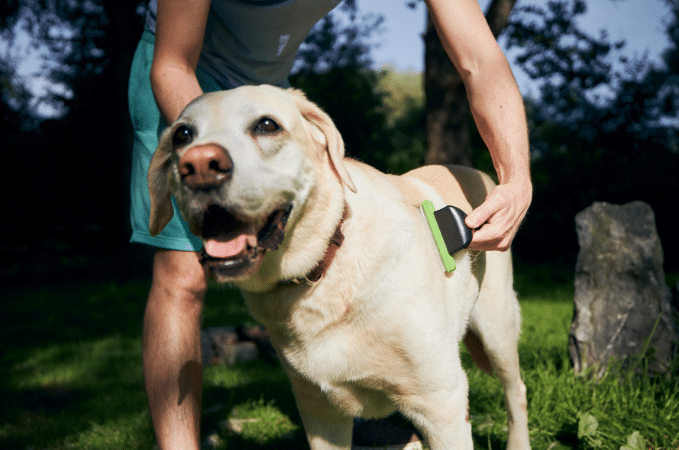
233 247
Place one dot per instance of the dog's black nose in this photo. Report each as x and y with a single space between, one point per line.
205 166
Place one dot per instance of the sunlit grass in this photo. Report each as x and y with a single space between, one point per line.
82 365
72 379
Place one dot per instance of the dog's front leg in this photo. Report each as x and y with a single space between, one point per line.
327 433
442 416
326 427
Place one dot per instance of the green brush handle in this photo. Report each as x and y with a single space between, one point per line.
447 260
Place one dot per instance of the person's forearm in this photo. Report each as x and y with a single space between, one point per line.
499 113
173 88
493 95
497 107
498 110
180 30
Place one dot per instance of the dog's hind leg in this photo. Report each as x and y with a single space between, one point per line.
477 352
496 320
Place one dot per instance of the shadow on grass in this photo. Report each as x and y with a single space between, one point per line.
67 394
51 417
36 316
267 398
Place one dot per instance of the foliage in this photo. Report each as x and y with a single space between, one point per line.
70 211
334 70
597 134
340 39
601 129
63 36
403 101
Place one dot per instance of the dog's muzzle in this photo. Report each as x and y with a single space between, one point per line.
232 248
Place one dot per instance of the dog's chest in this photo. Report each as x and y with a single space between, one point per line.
329 359
342 369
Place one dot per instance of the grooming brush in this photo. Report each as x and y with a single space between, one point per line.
448 230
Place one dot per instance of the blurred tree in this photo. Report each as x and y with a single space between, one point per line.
73 211
334 69
340 39
598 133
44 40
447 108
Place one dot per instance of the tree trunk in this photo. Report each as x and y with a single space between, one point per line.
447 109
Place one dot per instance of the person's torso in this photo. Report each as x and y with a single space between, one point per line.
255 41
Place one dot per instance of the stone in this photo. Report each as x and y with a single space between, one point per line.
222 345
235 426
621 299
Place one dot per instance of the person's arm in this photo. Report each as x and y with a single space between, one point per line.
497 107
180 30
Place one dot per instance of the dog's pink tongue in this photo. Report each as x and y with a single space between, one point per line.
226 249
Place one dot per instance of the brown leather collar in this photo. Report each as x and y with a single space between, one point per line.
317 272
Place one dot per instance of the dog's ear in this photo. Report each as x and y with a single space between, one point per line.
333 140
159 187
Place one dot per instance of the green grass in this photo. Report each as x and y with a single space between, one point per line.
71 379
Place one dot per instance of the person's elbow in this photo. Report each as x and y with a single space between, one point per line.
492 62
166 72
159 75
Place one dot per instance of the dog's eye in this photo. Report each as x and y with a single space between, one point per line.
182 136
267 126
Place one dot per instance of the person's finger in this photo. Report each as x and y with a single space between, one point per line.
493 205
493 224
490 237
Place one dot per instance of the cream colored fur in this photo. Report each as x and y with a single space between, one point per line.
381 330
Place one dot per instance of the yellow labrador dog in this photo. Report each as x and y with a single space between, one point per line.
334 258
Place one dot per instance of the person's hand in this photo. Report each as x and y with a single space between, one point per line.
498 218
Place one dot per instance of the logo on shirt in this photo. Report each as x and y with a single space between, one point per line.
282 42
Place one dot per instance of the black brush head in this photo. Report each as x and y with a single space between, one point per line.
456 234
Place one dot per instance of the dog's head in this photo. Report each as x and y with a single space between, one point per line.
241 164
